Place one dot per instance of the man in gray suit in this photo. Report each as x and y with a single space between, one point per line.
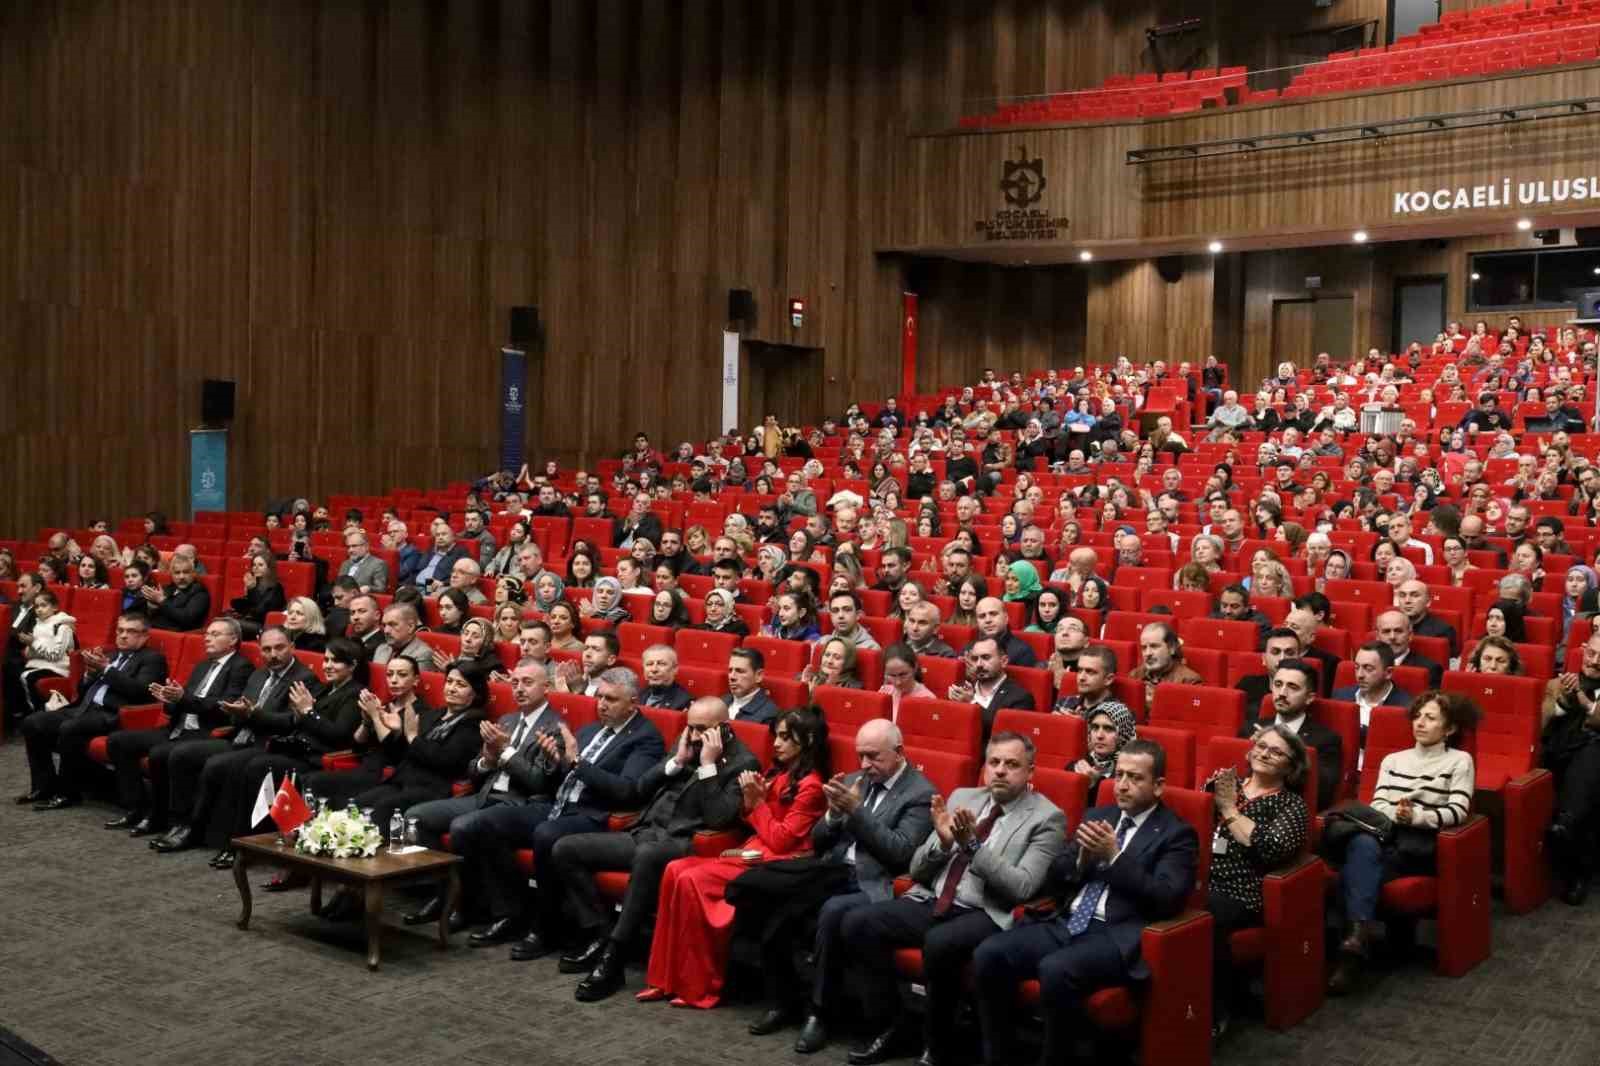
362 567
512 770
876 818
989 851
400 624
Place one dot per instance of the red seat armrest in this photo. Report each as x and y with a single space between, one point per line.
341 760
1529 805
143 716
222 732
902 885
1463 872
621 820
710 843
1176 1020
62 685
1293 967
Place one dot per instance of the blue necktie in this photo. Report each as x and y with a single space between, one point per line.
1082 914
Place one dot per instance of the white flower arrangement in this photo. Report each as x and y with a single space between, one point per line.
345 834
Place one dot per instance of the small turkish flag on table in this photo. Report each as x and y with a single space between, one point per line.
289 811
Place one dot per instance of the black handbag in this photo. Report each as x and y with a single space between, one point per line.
1343 824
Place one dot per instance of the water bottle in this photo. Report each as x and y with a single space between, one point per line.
411 832
397 832
312 803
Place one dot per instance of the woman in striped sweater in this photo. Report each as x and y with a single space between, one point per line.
1423 789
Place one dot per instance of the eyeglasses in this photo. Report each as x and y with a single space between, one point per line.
1267 751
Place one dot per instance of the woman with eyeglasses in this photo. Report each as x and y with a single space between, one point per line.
1260 823
695 922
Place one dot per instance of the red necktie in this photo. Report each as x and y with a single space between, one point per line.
958 865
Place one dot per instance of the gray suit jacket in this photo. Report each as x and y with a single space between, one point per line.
529 769
1013 863
370 573
886 838
418 649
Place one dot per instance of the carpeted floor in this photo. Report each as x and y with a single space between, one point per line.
111 954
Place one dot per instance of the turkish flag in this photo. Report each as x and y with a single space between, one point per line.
289 811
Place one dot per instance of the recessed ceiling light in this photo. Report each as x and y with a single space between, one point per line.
1086 255
1524 224
1360 236
1476 276
1214 247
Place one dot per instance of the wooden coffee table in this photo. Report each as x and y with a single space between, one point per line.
371 875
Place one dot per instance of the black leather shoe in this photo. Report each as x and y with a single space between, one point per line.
127 821
180 838
1577 891
892 1043
56 803
222 860
148 827
606 978
33 795
813 1035
584 960
500 931
428 912
927 1059
532 946
775 1019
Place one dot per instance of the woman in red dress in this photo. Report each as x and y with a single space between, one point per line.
694 923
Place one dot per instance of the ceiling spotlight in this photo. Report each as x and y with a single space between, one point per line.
1214 247
1524 224
1086 255
1360 236
1476 276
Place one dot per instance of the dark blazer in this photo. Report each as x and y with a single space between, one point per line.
426 763
886 838
329 726
22 621
649 528
1435 671
610 781
311 642
127 686
1396 698
1327 665
1149 882
370 642
1432 625
762 708
276 706
447 562
681 804
1009 695
184 610
673 698
1329 747
256 603
228 686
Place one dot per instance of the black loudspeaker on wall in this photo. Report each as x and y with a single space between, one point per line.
741 306
216 402
524 329
1170 267
1589 305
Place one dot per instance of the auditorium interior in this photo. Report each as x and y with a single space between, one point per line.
1224 296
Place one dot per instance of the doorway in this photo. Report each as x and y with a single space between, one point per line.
1303 327
781 380
1418 310
1407 16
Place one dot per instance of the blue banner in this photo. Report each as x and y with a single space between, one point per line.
208 470
513 394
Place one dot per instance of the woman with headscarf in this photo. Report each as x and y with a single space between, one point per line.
1109 729
721 616
770 562
1022 584
1047 611
1579 599
606 603
548 590
1504 618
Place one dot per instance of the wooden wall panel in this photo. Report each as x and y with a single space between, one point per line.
1133 311
973 315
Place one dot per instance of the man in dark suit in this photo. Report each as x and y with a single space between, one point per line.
696 788
1374 686
365 626
183 605
434 572
596 770
746 700
991 612
266 692
661 689
1413 599
1126 866
29 585
513 771
990 850
876 819
639 524
1294 688
1304 618
987 684
1282 644
112 682
194 710
1394 629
